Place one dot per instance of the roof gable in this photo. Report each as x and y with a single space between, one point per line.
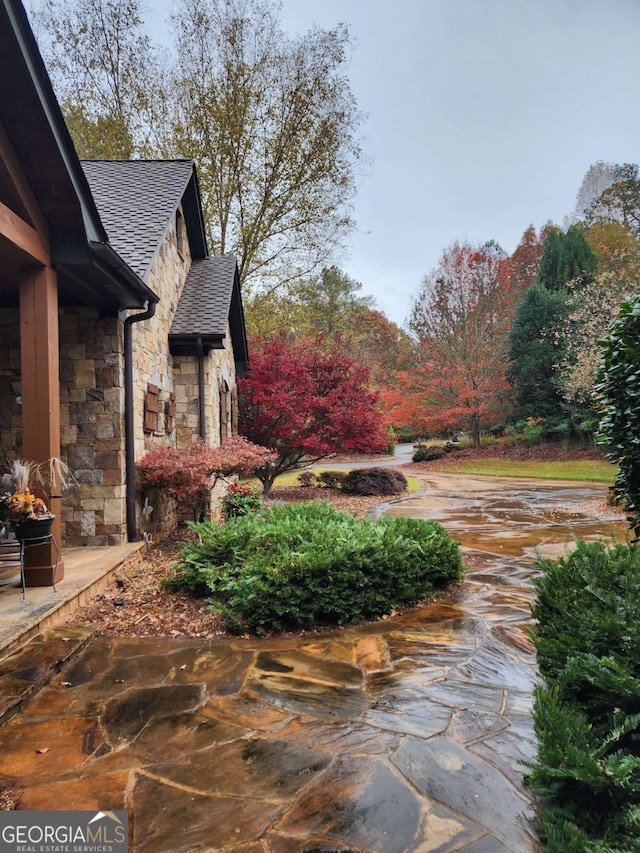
137 200
210 302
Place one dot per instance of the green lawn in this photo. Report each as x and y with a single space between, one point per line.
591 470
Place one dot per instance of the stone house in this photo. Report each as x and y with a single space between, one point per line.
118 331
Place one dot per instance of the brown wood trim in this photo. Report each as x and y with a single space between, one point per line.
40 370
21 184
22 235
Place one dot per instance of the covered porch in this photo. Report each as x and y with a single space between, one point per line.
88 571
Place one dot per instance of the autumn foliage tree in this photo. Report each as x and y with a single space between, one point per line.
305 401
526 258
461 316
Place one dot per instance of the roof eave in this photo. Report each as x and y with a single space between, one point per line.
195 344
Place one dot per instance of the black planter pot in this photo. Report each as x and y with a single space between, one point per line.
33 528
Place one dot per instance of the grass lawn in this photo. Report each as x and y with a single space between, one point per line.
591 470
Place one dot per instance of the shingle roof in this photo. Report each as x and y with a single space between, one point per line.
136 200
205 303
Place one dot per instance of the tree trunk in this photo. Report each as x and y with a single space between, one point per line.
267 483
475 428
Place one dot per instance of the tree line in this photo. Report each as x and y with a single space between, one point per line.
515 338
274 128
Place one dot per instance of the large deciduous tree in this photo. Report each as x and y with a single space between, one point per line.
270 119
273 124
592 307
598 178
329 304
106 72
305 401
526 258
461 316
619 203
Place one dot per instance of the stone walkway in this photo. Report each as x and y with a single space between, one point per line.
403 735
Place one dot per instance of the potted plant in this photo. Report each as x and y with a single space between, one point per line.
27 513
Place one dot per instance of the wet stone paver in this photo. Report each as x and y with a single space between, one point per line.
408 734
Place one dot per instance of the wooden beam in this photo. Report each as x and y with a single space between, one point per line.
40 385
22 235
22 186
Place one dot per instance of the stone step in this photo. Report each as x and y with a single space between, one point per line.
31 667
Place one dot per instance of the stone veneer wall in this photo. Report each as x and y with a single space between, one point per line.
218 364
152 362
10 388
92 404
92 426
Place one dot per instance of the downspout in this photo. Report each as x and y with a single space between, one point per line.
129 424
201 391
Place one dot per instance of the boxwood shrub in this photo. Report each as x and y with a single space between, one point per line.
307 564
587 712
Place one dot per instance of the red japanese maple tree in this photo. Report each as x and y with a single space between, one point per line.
306 400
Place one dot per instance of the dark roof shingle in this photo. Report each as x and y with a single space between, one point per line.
136 200
205 302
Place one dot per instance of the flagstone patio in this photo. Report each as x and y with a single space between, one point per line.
407 734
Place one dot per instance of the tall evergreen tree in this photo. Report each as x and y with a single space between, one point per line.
535 351
567 256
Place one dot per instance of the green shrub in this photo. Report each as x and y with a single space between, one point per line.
331 479
619 392
587 712
374 481
428 454
302 564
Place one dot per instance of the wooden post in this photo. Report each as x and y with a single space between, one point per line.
40 368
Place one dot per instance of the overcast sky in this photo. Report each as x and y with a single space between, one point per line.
483 117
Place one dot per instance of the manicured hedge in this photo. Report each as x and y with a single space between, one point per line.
587 713
305 564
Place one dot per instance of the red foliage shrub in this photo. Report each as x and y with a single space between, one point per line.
188 474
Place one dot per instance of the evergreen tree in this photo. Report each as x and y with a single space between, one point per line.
535 351
567 256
